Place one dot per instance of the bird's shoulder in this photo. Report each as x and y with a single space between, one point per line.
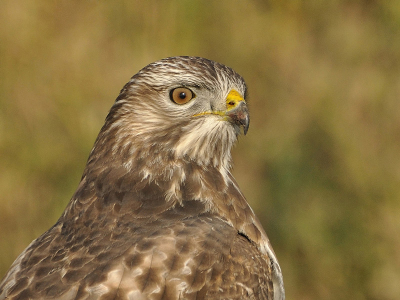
174 256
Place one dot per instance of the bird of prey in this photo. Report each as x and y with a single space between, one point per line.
158 214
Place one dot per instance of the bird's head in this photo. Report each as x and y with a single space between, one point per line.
183 107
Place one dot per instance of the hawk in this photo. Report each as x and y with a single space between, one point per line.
158 214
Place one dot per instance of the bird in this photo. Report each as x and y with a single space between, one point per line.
157 213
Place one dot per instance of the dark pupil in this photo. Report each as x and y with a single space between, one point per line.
182 95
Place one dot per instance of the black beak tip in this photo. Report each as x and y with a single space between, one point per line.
246 124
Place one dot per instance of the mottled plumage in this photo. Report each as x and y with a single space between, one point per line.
157 214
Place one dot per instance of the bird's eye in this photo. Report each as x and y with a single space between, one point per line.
181 95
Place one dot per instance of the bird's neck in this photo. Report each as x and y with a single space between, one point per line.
163 183
129 174
112 189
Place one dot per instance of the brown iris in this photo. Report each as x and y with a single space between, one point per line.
181 95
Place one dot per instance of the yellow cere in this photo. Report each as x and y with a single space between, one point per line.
232 100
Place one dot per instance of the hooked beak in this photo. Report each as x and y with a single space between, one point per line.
236 111
240 116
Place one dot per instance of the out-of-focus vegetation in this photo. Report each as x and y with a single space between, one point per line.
320 164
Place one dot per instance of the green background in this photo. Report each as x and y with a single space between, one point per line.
320 164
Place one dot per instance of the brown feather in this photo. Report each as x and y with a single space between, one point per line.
157 214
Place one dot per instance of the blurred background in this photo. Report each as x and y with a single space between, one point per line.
320 164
